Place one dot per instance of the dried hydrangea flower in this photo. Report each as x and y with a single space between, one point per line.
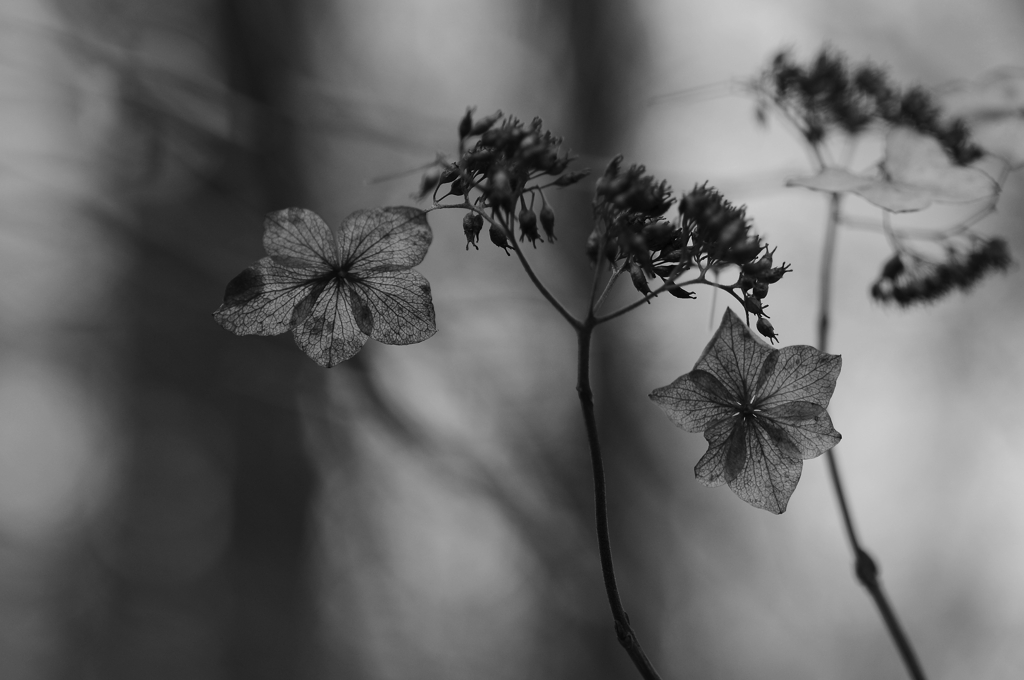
334 288
761 409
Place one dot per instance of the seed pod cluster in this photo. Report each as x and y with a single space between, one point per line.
503 167
709 233
908 279
828 95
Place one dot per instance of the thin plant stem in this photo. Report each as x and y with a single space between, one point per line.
612 278
623 630
584 332
661 289
864 565
573 321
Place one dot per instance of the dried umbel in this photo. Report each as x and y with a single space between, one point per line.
828 95
503 168
709 234
909 279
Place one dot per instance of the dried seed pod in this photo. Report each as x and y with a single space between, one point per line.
636 273
765 328
472 223
547 221
498 238
528 226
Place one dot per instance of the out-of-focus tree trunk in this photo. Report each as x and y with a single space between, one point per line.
205 560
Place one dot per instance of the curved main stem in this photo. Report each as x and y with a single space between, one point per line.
865 567
624 632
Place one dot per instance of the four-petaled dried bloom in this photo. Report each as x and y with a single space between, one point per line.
334 288
762 411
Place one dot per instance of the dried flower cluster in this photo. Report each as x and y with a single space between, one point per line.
908 279
828 95
709 234
502 174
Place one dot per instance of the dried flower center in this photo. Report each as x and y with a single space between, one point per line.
748 410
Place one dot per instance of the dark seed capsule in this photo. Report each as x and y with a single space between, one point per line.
676 291
547 222
528 226
472 223
663 270
760 267
674 255
776 273
484 124
466 124
765 328
636 273
498 238
760 290
449 174
745 251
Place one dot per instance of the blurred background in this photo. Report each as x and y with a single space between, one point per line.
178 502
